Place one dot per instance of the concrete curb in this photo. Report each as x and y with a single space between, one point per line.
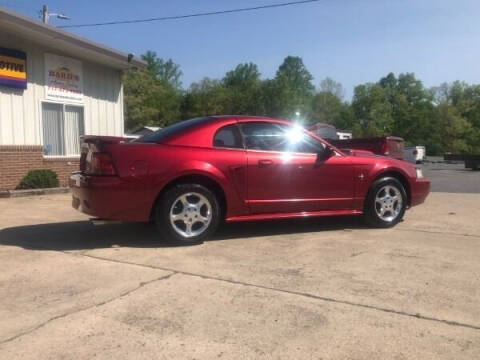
33 192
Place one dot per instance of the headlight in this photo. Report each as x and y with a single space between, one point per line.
419 173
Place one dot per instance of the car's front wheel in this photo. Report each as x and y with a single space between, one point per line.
187 214
386 203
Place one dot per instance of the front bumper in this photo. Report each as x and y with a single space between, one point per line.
420 188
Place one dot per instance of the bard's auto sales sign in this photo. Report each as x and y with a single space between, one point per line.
64 79
13 68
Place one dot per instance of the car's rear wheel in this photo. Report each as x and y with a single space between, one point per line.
187 214
386 203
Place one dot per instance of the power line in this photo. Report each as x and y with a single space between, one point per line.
291 3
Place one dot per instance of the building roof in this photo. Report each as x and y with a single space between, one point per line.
65 41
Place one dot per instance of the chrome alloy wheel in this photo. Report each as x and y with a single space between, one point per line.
388 203
191 214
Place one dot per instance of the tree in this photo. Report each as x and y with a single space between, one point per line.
165 70
207 97
243 76
454 130
372 110
293 88
271 99
244 88
328 85
328 107
444 118
152 96
411 107
464 99
149 101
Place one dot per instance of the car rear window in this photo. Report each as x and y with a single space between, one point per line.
173 130
228 137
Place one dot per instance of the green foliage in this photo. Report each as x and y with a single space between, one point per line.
244 89
396 106
293 88
328 85
39 179
454 130
165 70
326 108
152 96
445 118
149 101
373 110
207 97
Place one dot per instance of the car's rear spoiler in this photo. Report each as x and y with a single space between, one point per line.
97 140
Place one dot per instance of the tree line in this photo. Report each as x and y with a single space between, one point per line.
444 118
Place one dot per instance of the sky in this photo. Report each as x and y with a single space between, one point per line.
351 41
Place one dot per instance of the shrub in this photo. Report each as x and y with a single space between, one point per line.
39 179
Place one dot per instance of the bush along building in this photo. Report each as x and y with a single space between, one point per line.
54 87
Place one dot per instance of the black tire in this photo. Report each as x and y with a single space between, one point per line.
163 211
371 215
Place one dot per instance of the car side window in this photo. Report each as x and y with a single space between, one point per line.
228 137
279 137
310 145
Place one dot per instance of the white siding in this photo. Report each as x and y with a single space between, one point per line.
20 115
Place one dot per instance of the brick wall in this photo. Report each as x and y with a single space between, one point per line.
16 161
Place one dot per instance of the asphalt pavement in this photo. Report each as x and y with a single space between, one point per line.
451 177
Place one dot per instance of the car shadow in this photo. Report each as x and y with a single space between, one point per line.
83 235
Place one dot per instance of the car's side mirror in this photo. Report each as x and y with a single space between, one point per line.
326 154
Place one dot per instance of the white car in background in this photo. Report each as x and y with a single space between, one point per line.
414 154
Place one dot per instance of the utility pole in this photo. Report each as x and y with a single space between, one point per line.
46 15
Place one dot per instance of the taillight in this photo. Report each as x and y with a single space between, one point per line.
83 157
101 164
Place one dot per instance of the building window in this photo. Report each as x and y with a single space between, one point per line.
62 127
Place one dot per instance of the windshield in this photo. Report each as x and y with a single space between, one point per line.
172 130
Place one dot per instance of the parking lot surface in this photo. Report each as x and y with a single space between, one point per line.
451 177
326 288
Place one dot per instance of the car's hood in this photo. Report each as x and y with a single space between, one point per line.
385 160
357 152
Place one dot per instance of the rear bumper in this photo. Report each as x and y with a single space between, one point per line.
107 197
420 188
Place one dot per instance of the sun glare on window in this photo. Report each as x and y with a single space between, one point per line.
295 134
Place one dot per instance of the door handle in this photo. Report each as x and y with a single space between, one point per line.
264 162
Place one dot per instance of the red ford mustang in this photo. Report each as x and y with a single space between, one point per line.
192 175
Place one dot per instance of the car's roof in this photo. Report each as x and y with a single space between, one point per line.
241 117
200 135
247 118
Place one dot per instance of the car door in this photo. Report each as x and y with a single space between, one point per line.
283 174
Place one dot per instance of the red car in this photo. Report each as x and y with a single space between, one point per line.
190 176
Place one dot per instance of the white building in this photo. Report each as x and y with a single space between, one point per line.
54 87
